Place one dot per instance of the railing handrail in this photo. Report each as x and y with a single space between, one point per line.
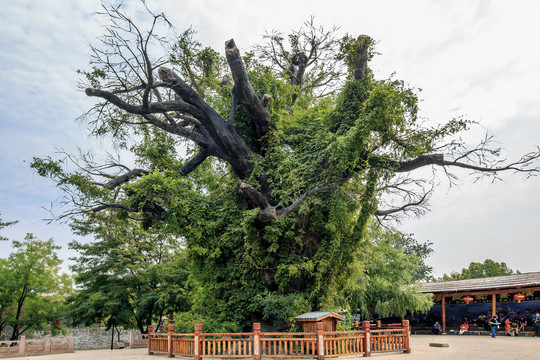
282 344
227 334
265 334
344 332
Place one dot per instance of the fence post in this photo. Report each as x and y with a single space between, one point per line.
47 344
367 338
406 336
169 342
22 346
150 330
257 341
197 344
71 341
320 341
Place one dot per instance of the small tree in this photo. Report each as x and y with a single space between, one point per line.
32 289
480 270
134 274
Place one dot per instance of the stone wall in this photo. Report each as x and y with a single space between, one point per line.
97 338
92 338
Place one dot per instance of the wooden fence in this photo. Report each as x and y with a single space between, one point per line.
44 346
320 344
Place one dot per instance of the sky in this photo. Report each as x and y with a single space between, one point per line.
477 59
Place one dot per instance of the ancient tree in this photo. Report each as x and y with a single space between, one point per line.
268 164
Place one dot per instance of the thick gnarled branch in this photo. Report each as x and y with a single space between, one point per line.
124 178
245 93
268 212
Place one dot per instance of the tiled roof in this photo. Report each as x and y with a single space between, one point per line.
496 282
317 315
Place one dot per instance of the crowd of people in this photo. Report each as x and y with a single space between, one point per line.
511 321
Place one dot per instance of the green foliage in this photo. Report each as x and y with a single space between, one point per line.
384 271
480 270
129 276
32 289
3 225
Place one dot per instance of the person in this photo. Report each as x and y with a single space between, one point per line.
514 328
522 322
536 324
507 325
463 327
436 328
481 321
494 324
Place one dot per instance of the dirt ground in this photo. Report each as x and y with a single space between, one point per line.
460 348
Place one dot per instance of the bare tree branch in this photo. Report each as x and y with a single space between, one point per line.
438 159
386 212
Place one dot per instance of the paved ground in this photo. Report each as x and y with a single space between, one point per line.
460 348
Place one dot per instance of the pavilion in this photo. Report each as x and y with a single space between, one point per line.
498 289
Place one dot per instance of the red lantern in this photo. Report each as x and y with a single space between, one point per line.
519 297
57 323
99 320
467 299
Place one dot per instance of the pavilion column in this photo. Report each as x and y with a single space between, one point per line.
443 302
493 304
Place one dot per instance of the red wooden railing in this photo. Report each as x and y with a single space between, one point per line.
255 345
227 345
288 345
158 344
343 343
183 344
387 340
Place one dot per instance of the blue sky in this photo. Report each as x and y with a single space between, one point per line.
478 59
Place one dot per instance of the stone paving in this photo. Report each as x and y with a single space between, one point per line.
460 348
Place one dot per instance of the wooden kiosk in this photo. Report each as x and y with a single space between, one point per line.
309 320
